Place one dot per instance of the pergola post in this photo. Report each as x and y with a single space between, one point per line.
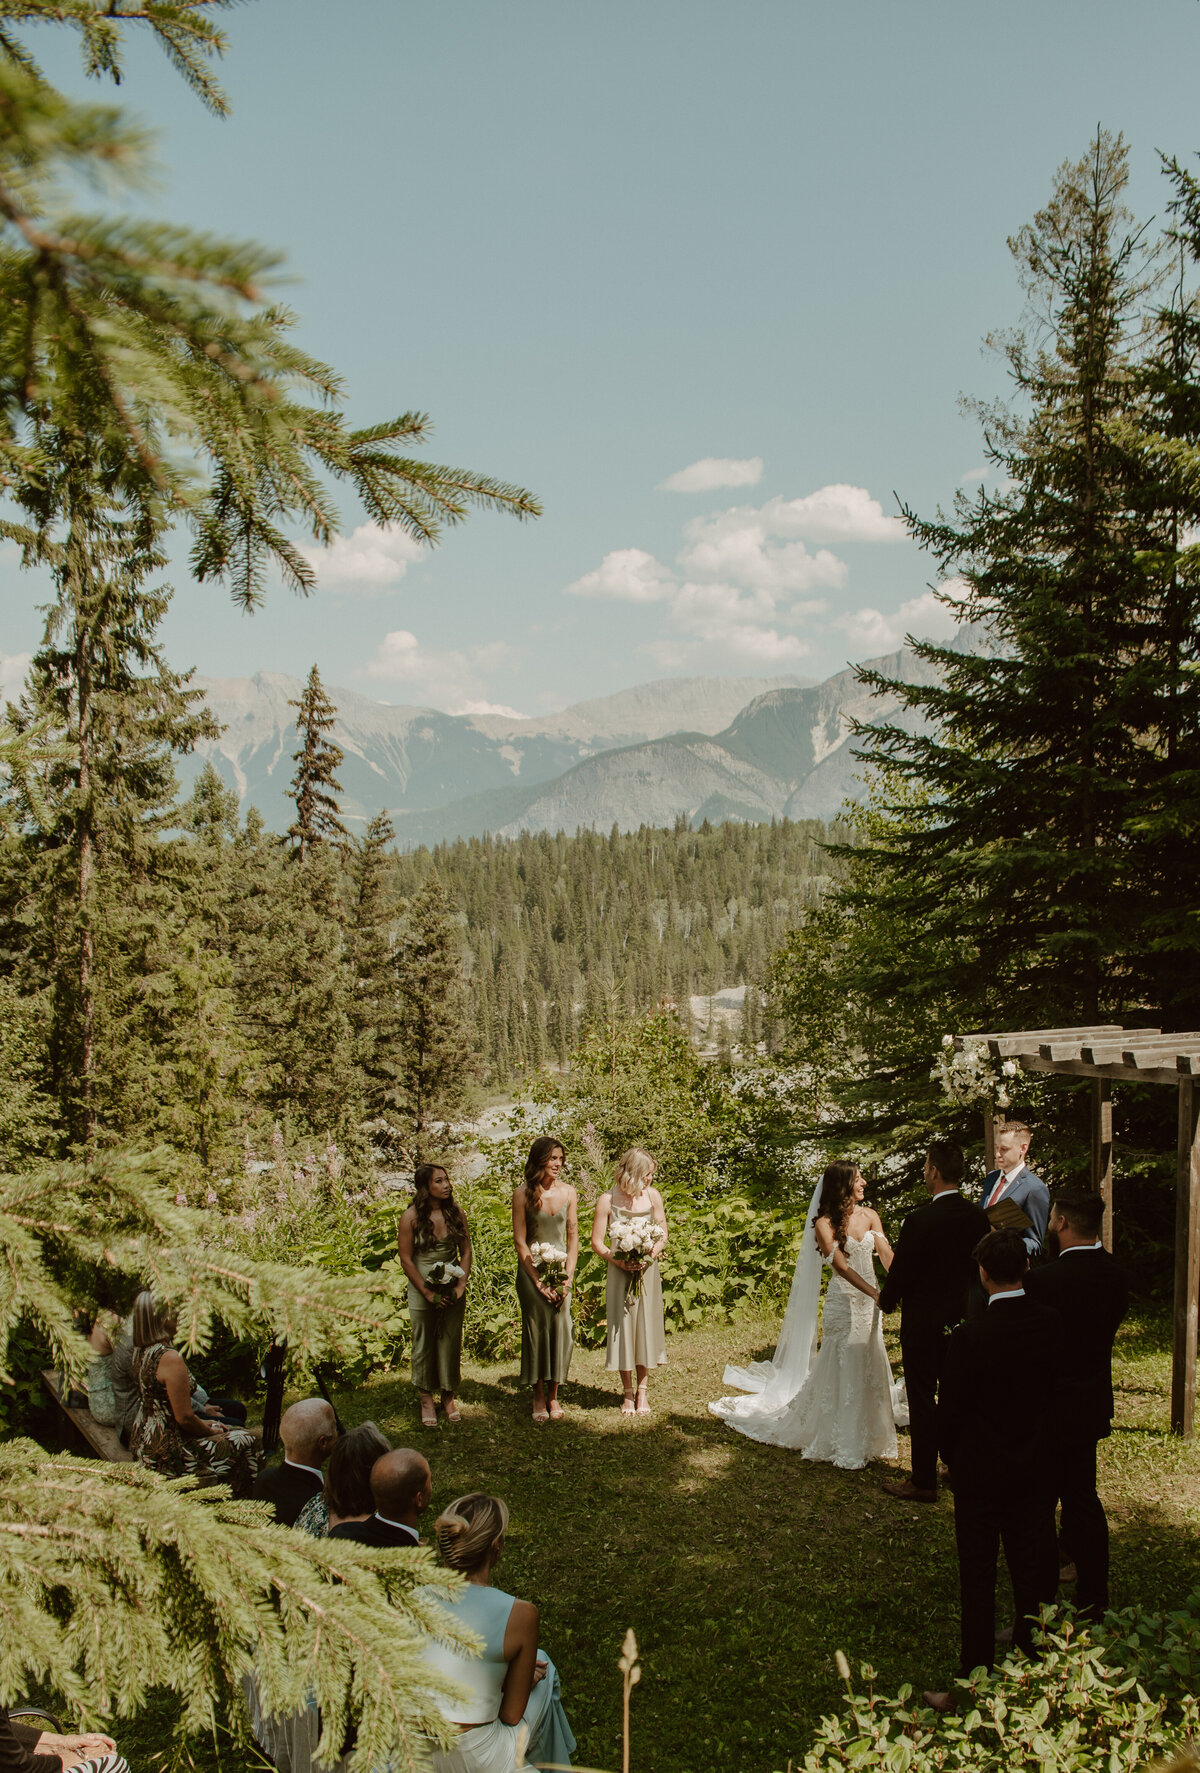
1187 1260
989 1138
1102 1152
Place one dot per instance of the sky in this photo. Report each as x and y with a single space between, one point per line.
711 280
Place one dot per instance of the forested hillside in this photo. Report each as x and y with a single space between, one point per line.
555 926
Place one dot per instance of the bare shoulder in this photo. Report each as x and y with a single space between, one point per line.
409 1215
524 1616
655 1196
171 1360
519 1192
873 1219
604 1202
824 1230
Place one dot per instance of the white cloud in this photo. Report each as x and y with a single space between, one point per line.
13 668
712 472
369 560
497 708
923 616
439 676
738 545
628 574
835 513
973 476
722 622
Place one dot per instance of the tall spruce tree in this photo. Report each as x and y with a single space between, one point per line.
435 1051
101 684
1012 858
374 1010
315 785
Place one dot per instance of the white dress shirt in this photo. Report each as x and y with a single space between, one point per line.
1068 1248
1009 1293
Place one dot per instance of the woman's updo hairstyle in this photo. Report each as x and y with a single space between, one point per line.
468 1529
837 1198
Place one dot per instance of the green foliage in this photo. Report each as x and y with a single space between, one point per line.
561 930
431 1056
1106 1704
315 785
114 1581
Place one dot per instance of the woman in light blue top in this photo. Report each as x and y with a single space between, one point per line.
512 1713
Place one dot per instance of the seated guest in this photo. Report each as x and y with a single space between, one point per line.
401 1487
127 1400
1089 1291
167 1435
26 1749
347 1494
513 1689
308 1432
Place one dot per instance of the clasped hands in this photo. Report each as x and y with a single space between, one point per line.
75 1751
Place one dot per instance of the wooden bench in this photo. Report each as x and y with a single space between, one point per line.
104 1442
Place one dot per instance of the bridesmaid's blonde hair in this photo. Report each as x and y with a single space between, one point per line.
467 1530
636 1167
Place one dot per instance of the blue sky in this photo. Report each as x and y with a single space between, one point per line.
601 244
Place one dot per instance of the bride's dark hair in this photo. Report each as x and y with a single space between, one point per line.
837 1198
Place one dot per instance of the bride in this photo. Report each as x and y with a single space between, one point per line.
842 1407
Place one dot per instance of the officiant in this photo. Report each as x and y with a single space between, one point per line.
1014 1198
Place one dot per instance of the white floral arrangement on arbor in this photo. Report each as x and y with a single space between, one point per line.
970 1075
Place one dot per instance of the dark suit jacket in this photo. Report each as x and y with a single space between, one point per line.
16 1749
1089 1291
287 1488
1000 1398
376 1532
932 1267
1030 1193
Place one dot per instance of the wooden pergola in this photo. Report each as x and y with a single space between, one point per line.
1136 1055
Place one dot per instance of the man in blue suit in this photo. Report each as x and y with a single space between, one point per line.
1013 1184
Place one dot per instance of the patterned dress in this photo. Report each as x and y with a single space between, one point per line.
157 1441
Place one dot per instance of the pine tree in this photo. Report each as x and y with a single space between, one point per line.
435 1049
1011 864
373 1008
315 784
101 684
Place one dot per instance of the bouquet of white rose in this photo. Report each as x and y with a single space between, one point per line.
551 1264
633 1240
444 1277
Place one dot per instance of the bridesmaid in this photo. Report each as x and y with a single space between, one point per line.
636 1334
545 1210
434 1229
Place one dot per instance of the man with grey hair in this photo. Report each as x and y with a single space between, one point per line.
308 1432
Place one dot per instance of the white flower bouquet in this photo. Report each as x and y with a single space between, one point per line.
633 1241
444 1277
971 1075
551 1263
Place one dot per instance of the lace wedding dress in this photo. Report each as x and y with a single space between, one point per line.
841 1408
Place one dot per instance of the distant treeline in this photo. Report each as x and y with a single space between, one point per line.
561 930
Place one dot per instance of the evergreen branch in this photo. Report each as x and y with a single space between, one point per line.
175 1586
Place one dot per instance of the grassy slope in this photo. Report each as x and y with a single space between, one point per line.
740 1567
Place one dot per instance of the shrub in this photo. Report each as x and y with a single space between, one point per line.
1111 1701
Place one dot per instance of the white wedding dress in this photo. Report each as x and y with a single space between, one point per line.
841 1407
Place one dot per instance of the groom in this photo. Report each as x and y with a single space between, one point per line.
929 1279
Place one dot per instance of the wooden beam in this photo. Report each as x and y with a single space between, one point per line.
1102 1152
1006 1046
1187 1261
1080 1068
989 1140
1110 1044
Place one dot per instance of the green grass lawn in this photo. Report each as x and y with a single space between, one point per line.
743 1568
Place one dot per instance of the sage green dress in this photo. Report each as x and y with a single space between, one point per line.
547 1336
437 1330
636 1332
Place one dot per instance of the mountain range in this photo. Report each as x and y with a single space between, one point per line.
705 747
